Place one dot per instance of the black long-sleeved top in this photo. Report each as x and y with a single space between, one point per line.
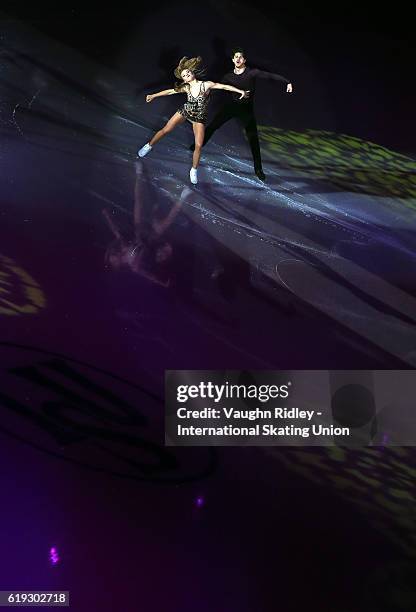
247 81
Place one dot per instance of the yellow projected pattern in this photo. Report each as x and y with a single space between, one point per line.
381 481
345 161
19 292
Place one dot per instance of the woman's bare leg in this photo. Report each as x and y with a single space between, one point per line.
170 125
199 133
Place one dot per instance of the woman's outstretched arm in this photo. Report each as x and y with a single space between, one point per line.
165 92
211 85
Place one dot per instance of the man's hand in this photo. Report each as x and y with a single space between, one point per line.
289 88
245 94
149 98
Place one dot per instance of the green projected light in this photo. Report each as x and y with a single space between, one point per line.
381 481
19 292
345 161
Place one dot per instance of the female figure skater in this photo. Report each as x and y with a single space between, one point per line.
146 245
194 110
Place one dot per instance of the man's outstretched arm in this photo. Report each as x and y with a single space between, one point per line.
262 74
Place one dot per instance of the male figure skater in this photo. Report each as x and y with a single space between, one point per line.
244 78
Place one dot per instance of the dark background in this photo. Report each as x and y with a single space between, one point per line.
285 531
365 52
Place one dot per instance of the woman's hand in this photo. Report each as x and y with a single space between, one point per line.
244 94
289 88
149 98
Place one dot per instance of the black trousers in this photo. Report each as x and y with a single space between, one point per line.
244 114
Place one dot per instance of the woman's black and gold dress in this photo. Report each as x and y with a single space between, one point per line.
195 110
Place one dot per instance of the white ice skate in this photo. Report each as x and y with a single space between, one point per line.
193 175
144 150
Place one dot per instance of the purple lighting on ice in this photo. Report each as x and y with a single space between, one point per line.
53 556
199 502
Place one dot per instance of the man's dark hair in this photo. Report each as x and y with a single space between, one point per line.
237 50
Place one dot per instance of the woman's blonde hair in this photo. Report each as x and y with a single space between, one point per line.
186 63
